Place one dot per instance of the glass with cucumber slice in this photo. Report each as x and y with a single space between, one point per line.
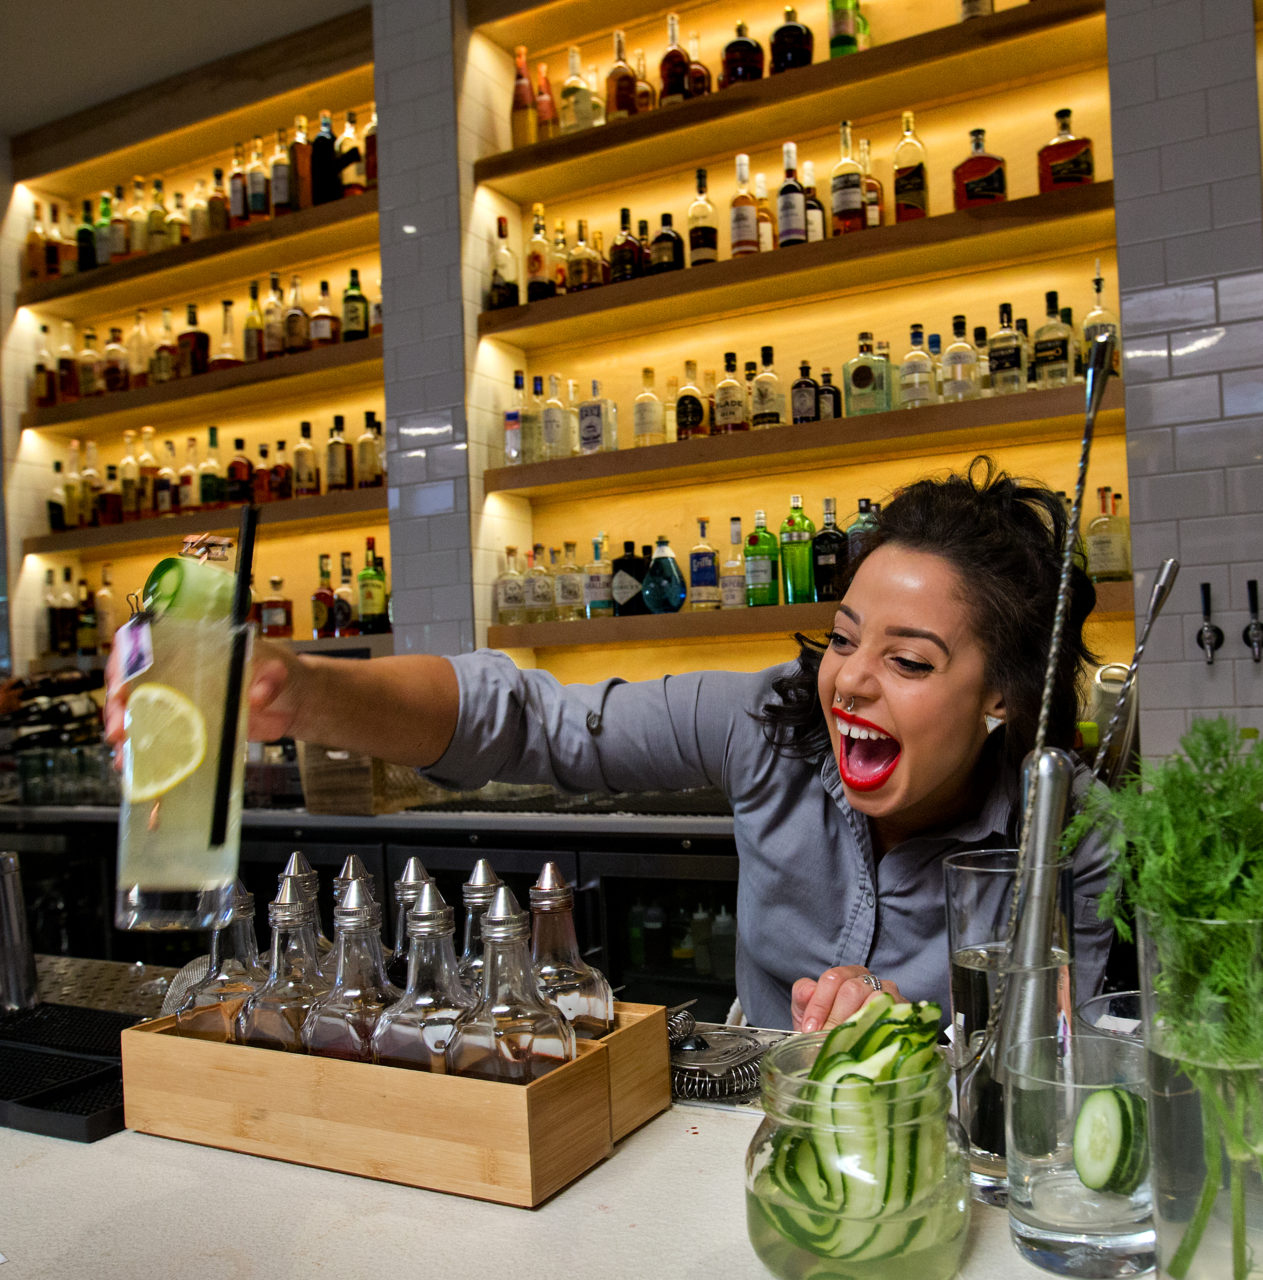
858 1172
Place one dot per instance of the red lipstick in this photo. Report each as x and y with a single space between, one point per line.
869 779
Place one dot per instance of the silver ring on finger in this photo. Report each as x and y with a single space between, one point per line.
871 980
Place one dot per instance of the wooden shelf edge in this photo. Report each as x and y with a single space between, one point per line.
343 356
925 47
329 506
222 247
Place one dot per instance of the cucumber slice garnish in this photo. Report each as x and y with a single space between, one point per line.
1111 1141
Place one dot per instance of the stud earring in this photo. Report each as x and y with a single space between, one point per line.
992 723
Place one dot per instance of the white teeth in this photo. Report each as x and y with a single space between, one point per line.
859 732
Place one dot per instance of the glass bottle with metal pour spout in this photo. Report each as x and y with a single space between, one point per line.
477 893
299 869
581 992
341 1022
407 891
513 1034
416 1030
234 972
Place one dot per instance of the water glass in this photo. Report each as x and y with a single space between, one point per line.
1057 1220
1116 1013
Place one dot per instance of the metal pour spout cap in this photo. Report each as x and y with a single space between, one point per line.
242 902
291 906
357 907
299 868
409 884
551 891
352 869
431 917
504 920
481 886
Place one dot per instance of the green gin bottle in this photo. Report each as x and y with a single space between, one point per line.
762 553
797 531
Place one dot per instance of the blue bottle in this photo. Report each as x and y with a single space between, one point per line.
664 589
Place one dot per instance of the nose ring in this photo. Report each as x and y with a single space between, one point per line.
850 706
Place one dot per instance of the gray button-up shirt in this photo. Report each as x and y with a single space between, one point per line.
810 894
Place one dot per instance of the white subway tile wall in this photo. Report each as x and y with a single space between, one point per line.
1189 216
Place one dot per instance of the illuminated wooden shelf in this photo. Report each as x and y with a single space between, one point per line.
221 392
952 244
954 63
1056 414
297 515
278 244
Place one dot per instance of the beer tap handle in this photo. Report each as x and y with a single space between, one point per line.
1253 633
1209 636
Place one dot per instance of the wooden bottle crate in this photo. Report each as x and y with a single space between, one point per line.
516 1144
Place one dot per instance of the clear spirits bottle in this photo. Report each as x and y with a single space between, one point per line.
620 83
306 473
874 214
1108 543
828 557
513 1034
766 411
984 359
791 201
576 97
417 1030
575 987
1101 320
532 420
650 428
703 229
139 352
297 322
274 320
477 894
407 893
1066 161
120 247
179 230
829 396
57 501
979 178
815 210
513 421
598 573
762 552
691 416
504 273
765 216
960 366
157 219
797 531
272 1017
539 276
199 212
1053 343
732 574
90 368
730 399
804 396
744 214
568 585
703 571
138 219
865 381
541 601
555 423
341 1021
188 487
598 423
281 189
510 592
233 973
1006 356
912 192
226 357
583 265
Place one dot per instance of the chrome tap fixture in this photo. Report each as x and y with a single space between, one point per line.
1209 636
1253 633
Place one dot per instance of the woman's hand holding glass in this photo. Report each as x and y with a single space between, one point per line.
816 1004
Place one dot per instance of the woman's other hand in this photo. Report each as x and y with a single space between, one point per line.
816 1004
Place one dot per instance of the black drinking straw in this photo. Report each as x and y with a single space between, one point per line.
236 674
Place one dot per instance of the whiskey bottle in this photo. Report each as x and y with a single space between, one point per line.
1108 543
217 217
766 411
792 44
646 94
547 122
1053 341
541 602
666 253
210 480
187 488
91 372
598 600
120 247
138 219
370 585
324 328
844 27
584 266
193 346
703 571
1101 320
576 98
539 276
1066 161
761 554
1006 356
339 468
277 611
199 212
674 67
370 149
147 469
262 478
346 620
504 275
562 975
306 472
873 195
797 531
960 366
282 475
699 72
350 159
828 557
912 193
273 320
239 481
804 396
238 194
664 588
110 499
297 323
620 84
523 121
279 170
104 240
864 382
322 601
703 229
742 60
691 416
326 173
368 471
815 210
626 257
650 427
978 179
766 218
157 219
732 574
166 488
791 201
744 213
355 317
300 165
85 240
179 230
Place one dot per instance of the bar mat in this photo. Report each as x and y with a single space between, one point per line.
81 1111
67 1027
26 1072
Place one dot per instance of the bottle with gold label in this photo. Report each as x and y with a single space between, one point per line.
371 584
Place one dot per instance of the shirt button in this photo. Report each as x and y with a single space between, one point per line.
868 897
594 722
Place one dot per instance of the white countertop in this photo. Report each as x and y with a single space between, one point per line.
667 1204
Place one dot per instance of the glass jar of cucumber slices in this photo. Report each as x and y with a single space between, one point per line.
858 1170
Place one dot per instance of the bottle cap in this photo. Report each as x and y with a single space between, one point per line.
430 916
408 886
352 869
357 908
482 884
504 920
292 906
551 892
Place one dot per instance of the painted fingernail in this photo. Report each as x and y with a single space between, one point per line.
810 1024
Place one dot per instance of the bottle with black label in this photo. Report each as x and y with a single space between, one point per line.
627 582
1006 356
828 556
1052 347
791 201
804 396
912 189
692 416
829 397
666 253
979 178
703 228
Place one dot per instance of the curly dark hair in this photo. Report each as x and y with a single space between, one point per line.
1004 537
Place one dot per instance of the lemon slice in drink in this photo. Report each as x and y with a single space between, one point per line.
166 740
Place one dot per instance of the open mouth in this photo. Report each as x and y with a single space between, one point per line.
869 754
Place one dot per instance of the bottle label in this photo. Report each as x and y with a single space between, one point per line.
975 9
208 489
273 617
911 197
321 328
1050 351
872 207
554 429
118 239
792 211
591 427
847 192
297 330
372 599
830 404
252 345
824 559
280 184
188 492
273 336
163 498
766 405
767 241
237 197
703 242
537 264
320 621
745 228
304 472
131 497
367 465
354 315
510 594
732 590
1107 553
794 535
539 591
730 406
842 21
704 574
662 251
1002 358
596 591
257 192
335 467
624 587
803 401
957 359
576 109
815 224
914 384
1075 168
569 589
647 418
760 571
690 416
989 186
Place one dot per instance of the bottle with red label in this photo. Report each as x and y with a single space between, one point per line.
322 602
979 179
276 613
1066 161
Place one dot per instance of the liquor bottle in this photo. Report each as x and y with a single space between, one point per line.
157 219
85 240
370 149
751 372
510 592
371 592
523 120
979 179
620 83
791 201
865 384
598 599
916 374
119 247
597 423
165 361
792 44
199 212
646 96
323 327
350 159
44 388
91 373
766 219
1066 161
576 98
34 261
189 480
583 267
804 396
1053 347
541 602
1108 543
668 408
865 519
960 379
138 219
193 346
276 614
368 472
354 310
67 366
322 601
109 503
816 218
57 501
226 357
555 423
626 258
767 395
1028 348
138 353
326 175
297 323
67 616
300 165
699 83
828 557
147 467
703 229
239 476
1006 356
346 621
873 195
513 421
504 277
666 253
75 513
210 479
674 67
568 584
104 240
238 195
217 216
844 27
1100 320
732 573
561 974
742 60
85 618
179 230
762 551
539 277
532 421
650 427
1066 315
306 473
166 488
277 178
261 480
912 194
984 359
282 475
703 571
55 249
339 468
560 257
664 589
829 397
546 117
691 409
106 613
797 531
744 222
